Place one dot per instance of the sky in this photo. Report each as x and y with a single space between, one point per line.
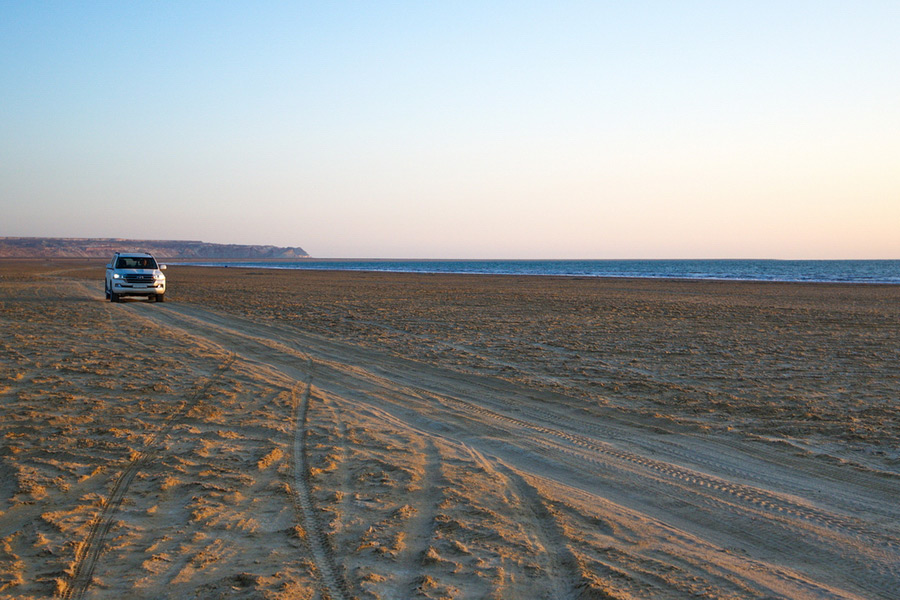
739 129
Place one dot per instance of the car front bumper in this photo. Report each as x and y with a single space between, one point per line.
138 289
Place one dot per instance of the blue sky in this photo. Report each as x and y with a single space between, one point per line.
458 129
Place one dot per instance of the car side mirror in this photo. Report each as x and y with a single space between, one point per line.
109 266
162 267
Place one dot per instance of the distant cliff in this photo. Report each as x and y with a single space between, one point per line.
20 247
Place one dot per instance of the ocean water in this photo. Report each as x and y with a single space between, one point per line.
843 271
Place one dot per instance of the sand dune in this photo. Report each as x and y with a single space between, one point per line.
321 435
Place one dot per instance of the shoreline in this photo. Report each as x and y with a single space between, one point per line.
260 265
542 268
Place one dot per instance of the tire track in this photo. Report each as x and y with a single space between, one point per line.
715 492
330 575
421 528
691 458
346 480
709 489
780 504
561 565
745 494
89 550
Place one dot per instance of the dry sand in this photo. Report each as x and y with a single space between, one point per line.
348 435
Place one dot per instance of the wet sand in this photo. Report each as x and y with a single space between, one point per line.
286 434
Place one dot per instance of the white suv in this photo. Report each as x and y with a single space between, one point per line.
135 274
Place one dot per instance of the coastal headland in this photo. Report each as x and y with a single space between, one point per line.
313 434
45 247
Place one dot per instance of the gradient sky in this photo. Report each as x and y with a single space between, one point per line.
458 129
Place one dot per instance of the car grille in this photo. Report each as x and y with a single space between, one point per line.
138 278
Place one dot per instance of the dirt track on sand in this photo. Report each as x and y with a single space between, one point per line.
185 450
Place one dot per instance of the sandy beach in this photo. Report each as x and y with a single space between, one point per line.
304 434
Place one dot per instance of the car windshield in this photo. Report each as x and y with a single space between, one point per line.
135 262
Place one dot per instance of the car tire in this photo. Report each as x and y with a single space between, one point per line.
113 297
160 297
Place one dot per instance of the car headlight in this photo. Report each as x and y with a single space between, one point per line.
159 276
118 276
